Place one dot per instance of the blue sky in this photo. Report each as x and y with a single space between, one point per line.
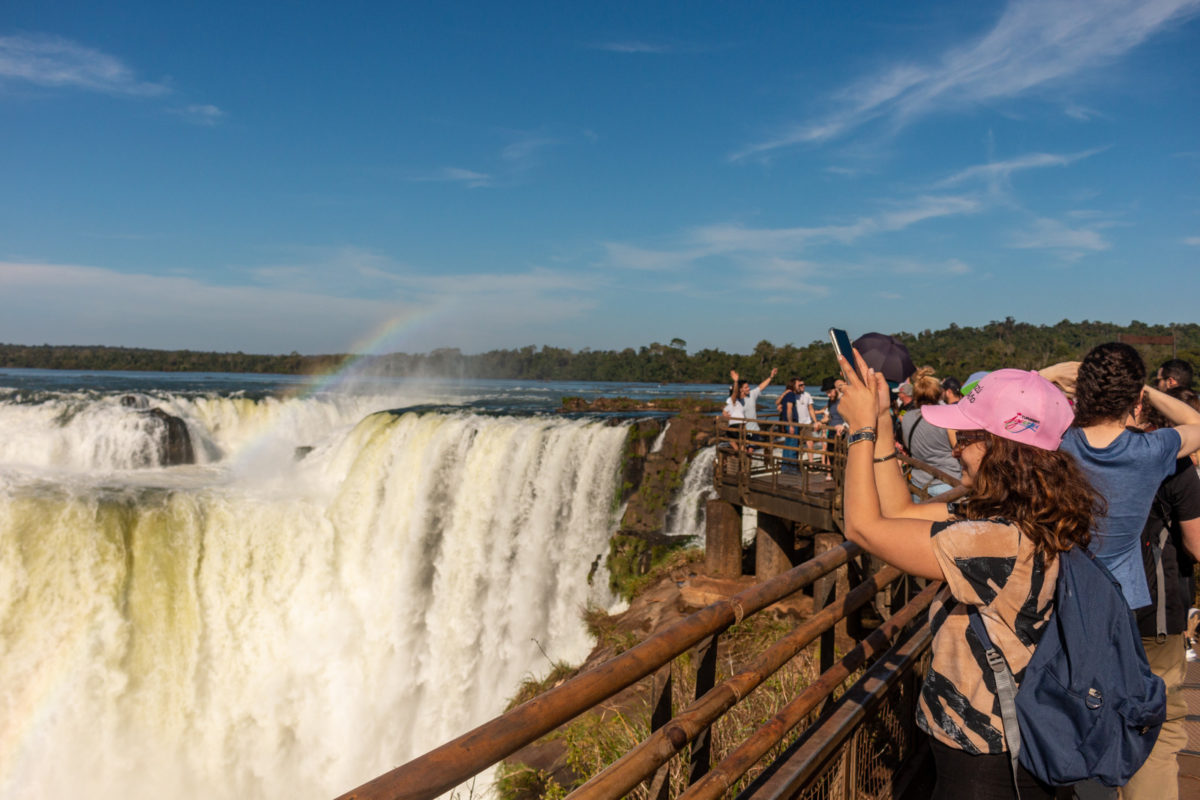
325 177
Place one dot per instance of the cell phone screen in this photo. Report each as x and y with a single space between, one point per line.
842 346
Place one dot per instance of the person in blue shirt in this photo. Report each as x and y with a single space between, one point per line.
1126 466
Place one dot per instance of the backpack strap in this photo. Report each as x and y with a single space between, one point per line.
1006 691
911 431
1160 613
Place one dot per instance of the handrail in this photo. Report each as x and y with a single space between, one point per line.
749 453
452 763
723 776
640 763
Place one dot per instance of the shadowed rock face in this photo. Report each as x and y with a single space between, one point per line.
174 445
659 475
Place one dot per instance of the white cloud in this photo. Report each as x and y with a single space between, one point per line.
1194 241
302 307
1001 170
467 177
1050 234
847 172
201 114
749 246
783 280
1035 43
516 158
633 46
524 154
904 267
52 61
630 257
1081 113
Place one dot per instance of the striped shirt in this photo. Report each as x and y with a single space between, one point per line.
991 565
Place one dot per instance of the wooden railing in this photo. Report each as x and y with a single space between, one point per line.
807 461
688 729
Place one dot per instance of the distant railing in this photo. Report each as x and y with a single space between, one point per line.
453 763
806 461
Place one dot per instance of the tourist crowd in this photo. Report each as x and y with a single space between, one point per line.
1078 455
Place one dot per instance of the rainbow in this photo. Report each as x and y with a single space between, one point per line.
381 339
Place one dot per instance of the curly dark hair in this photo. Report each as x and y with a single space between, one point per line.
1109 383
1042 492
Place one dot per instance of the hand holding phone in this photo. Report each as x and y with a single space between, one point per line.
843 348
865 392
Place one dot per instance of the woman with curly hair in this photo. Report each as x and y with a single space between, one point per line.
1127 466
997 551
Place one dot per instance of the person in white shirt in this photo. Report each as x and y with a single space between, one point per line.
803 405
742 406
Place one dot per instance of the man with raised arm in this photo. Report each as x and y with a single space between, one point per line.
742 406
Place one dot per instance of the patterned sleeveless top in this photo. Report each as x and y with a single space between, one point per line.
989 564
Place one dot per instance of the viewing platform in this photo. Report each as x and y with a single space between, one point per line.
794 478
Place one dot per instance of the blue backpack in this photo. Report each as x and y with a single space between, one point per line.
1089 707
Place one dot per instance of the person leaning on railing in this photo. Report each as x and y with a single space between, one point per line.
996 550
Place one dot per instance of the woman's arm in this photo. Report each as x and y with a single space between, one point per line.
1185 418
895 499
1062 375
903 543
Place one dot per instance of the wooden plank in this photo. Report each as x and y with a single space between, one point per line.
1131 339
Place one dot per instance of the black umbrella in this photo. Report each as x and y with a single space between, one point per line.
886 354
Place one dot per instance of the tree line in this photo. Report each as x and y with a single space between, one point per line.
953 351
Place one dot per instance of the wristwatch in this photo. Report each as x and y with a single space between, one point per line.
861 435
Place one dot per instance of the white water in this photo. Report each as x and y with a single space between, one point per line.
686 516
258 626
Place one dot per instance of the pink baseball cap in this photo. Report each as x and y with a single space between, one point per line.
1012 403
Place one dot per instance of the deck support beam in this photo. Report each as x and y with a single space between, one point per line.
723 539
775 544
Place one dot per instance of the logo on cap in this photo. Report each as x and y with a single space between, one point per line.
1021 423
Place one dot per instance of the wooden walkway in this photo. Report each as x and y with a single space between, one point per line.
1189 759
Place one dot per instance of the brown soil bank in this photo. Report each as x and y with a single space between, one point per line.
684 405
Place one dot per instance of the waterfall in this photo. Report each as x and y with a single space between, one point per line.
261 626
686 515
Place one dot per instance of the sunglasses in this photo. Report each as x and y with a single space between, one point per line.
964 439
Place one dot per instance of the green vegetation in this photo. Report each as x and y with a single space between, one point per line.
136 359
519 781
531 687
954 351
635 561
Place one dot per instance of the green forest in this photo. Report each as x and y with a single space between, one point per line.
953 351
